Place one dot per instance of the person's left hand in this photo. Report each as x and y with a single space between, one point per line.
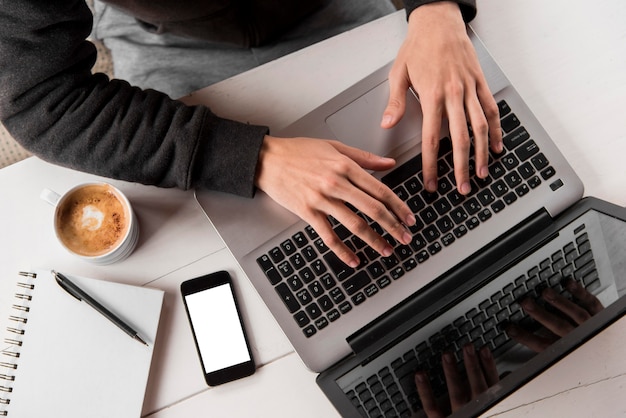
438 60
481 374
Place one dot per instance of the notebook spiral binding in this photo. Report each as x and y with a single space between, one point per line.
13 340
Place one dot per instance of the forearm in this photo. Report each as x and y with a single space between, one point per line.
55 107
468 7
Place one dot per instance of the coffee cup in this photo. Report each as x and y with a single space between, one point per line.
95 222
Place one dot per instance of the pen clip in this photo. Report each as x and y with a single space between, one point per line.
59 278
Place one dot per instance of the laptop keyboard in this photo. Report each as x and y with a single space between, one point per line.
318 289
392 391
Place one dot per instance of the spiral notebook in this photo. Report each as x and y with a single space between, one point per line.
62 358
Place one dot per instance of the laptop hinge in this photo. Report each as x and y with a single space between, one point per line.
450 286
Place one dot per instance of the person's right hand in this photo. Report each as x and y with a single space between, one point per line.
315 178
573 313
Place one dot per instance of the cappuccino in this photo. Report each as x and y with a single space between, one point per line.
92 220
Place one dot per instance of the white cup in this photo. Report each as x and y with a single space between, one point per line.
95 222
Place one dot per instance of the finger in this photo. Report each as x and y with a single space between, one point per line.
396 105
456 387
425 392
358 226
489 366
381 204
325 231
585 298
431 130
475 374
491 112
365 159
530 340
480 128
558 325
460 144
374 187
574 311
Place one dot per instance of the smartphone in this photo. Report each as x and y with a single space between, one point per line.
217 328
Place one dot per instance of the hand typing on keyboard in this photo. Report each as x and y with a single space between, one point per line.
568 315
315 178
438 60
481 374
559 316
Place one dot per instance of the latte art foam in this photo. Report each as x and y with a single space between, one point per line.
92 220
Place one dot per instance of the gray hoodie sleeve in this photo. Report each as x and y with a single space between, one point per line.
52 104
468 7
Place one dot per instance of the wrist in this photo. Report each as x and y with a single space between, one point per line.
435 12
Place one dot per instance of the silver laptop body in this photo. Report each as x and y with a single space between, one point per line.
253 228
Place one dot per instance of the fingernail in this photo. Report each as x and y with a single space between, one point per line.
420 377
447 357
387 119
549 294
410 220
354 263
407 238
465 188
528 305
431 186
387 251
571 285
484 172
469 349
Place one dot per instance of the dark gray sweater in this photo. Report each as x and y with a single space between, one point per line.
52 104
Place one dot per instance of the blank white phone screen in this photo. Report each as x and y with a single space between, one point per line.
221 341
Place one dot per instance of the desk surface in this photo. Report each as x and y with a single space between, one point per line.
566 60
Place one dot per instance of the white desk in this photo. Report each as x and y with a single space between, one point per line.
566 60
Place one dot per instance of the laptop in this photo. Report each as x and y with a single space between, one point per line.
333 314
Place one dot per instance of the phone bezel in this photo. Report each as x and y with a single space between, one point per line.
203 283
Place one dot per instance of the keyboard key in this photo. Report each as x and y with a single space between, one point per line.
547 173
526 170
515 138
309 253
510 161
486 197
356 283
472 206
325 303
313 310
509 122
358 299
316 289
301 318
294 283
277 255
403 172
300 239
503 107
288 247
539 161
288 298
527 150
428 215
304 296
496 170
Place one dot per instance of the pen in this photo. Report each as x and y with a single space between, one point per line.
80 294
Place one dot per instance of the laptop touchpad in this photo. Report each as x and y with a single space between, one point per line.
358 123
